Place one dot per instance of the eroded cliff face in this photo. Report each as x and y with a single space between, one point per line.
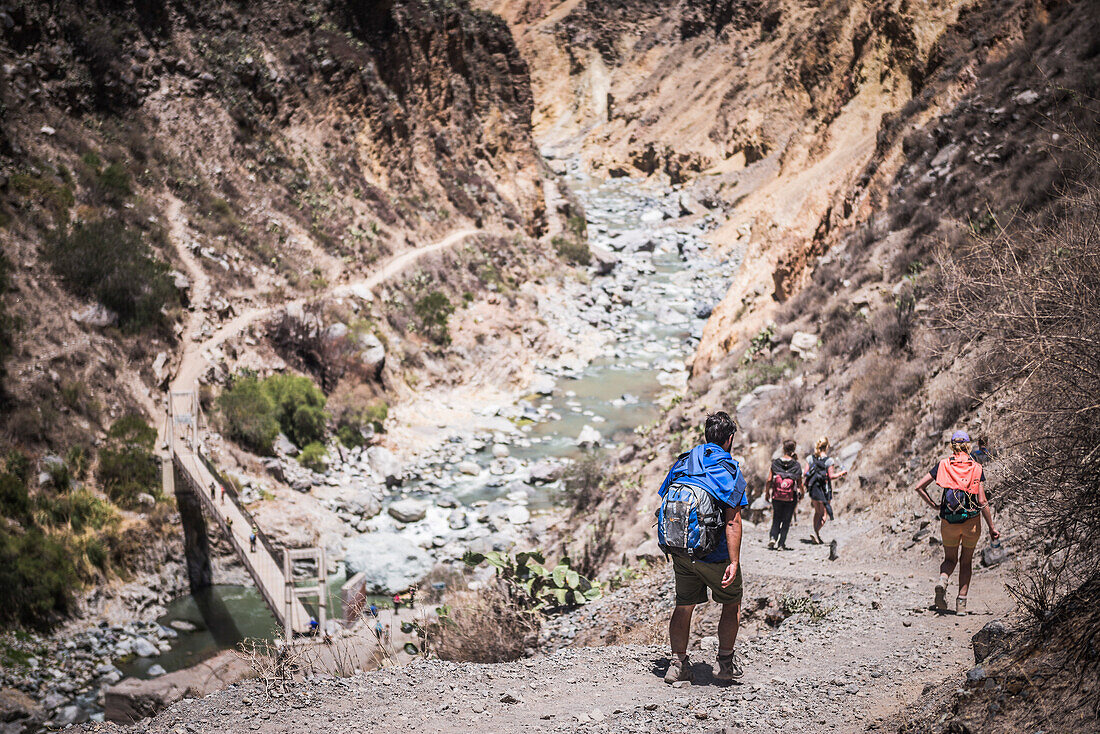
789 118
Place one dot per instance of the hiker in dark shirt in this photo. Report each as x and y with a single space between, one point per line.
784 490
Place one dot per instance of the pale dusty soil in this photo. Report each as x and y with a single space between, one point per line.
841 673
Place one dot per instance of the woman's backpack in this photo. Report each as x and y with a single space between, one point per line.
957 475
817 476
957 505
784 486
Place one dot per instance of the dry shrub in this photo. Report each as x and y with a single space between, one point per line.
485 626
1036 288
880 385
585 478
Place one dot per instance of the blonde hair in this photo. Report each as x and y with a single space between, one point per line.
960 447
822 446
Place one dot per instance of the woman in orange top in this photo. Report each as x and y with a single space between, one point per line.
961 509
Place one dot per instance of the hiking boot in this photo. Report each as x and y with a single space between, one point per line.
729 668
679 670
941 596
960 606
771 543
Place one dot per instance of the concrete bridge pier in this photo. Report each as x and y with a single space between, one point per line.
196 543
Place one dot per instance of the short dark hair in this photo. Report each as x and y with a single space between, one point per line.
789 447
719 427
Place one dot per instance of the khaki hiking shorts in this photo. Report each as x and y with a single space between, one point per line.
968 533
693 578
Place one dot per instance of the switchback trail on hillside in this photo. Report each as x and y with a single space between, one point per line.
194 351
872 646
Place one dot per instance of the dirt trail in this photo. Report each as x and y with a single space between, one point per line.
194 354
874 650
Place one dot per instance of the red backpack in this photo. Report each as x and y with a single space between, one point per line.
784 486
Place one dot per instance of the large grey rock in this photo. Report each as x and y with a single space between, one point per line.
390 563
458 520
988 640
847 454
408 510
373 354
336 331
518 515
68 715
16 706
95 315
385 464
366 502
542 385
804 344
589 437
603 261
145 649
546 471
469 468
284 446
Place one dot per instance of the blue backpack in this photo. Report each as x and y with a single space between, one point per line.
688 522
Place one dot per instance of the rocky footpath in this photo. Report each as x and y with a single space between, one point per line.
826 645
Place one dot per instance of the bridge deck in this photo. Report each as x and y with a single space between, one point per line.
266 571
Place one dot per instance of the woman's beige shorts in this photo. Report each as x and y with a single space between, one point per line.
966 533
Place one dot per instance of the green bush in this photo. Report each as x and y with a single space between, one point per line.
113 182
434 310
571 250
313 457
79 510
38 578
299 406
256 410
249 415
57 198
111 262
15 503
354 419
127 464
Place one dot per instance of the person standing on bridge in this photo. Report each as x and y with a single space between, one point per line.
223 494
252 539
699 525
213 491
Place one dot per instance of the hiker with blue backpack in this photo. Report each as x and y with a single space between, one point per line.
961 509
699 526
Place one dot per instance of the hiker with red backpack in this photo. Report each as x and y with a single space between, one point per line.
961 509
784 490
699 526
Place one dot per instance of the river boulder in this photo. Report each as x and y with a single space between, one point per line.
408 510
387 466
389 562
